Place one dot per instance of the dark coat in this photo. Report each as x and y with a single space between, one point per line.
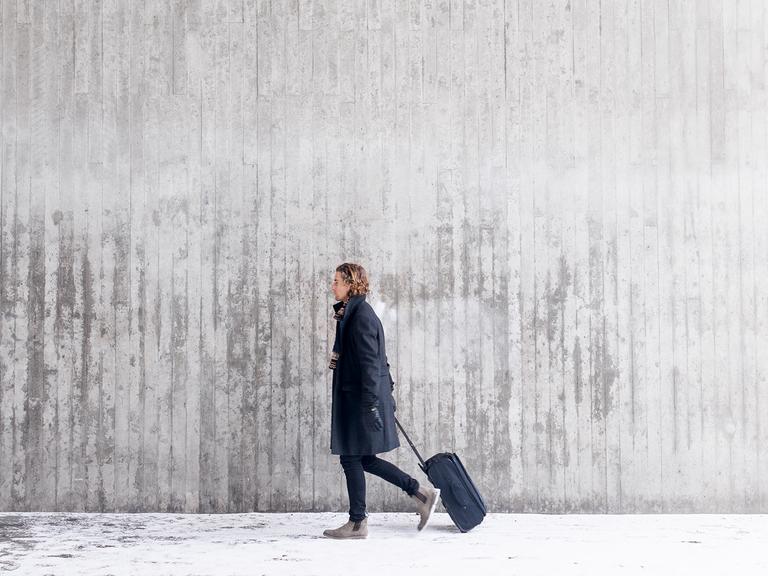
361 377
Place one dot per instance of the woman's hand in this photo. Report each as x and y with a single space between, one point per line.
371 418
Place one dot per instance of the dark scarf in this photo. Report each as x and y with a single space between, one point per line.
338 315
342 310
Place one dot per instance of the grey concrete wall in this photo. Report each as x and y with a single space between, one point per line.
561 205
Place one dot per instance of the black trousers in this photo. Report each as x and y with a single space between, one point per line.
355 468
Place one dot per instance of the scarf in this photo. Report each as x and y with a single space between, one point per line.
338 315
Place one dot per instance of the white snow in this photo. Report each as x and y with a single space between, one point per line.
36 544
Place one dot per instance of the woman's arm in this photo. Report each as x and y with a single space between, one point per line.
368 356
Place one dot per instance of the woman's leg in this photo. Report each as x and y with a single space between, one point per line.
390 473
353 470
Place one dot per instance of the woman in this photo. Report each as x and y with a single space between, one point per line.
363 408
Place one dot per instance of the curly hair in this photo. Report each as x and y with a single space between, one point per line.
356 276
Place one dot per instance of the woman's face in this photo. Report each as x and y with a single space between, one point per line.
340 288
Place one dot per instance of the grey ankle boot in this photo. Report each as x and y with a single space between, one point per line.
426 500
351 529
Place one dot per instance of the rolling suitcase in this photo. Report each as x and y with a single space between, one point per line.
459 494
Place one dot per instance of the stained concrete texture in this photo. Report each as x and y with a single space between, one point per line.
561 206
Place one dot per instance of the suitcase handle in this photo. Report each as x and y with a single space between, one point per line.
423 464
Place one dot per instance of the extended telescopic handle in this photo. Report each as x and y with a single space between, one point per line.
423 464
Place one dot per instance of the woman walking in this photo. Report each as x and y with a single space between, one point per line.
363 407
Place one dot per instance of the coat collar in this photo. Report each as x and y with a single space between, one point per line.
352 304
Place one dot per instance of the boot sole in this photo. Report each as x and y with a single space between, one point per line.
432 508
346 537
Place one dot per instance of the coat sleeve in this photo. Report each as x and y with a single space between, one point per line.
368 356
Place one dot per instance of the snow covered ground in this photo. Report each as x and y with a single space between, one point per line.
64 544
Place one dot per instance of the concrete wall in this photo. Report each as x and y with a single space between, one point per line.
561 205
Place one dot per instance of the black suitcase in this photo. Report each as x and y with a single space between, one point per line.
459 494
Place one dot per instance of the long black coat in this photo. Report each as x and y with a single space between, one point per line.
361 377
